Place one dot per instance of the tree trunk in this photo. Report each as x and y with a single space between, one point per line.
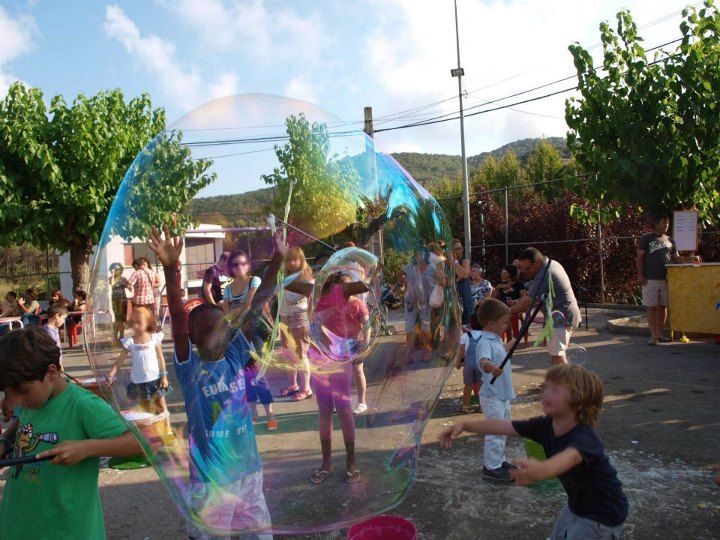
80 265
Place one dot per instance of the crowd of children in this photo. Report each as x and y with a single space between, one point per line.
219 380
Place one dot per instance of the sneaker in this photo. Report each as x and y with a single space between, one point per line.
361 408
499 475
652 341
508 466
664 340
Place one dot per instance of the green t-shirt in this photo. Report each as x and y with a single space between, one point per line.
44 501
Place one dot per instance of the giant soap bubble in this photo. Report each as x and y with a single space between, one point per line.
354 222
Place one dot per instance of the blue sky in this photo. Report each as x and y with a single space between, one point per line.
342 55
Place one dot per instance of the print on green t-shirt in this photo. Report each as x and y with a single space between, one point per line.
45 501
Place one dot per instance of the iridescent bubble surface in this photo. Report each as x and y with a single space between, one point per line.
355 221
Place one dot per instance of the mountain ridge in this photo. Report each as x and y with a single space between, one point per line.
425 168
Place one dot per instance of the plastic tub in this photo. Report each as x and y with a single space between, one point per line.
383 528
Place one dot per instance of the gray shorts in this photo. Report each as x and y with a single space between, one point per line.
655 293
415 314
569 526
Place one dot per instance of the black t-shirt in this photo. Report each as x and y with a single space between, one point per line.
212 275
512 293
593 489
658 251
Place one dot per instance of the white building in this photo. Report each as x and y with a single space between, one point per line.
201 250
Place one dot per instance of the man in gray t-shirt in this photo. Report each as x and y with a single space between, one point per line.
531 265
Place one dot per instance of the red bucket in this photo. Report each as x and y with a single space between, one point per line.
383 528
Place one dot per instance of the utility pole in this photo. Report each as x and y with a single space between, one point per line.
459 72
369 130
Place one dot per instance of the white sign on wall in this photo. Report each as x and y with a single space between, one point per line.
685 230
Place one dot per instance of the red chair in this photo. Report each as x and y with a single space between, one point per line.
515 326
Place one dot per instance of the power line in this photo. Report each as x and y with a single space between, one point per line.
447 117
407 113
427 121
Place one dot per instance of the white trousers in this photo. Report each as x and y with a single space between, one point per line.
494 444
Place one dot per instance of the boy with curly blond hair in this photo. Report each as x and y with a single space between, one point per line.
571 399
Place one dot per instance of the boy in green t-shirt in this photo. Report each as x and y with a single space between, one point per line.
57 498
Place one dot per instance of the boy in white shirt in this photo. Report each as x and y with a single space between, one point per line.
494 317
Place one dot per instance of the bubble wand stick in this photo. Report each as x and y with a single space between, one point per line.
22 460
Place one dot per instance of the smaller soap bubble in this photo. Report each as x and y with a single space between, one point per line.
576 355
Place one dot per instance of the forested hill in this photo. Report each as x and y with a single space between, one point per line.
426 168
249 208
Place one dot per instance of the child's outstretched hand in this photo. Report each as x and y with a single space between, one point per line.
527 472
167 250
279 243
447 435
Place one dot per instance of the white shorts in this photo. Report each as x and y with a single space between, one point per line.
560 341
239 506
655 293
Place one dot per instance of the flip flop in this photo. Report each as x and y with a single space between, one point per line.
352 477
289 391
301 396
319 476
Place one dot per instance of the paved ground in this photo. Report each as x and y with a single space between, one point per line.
660 424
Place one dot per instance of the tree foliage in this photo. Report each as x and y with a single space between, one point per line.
325 194
61 166
650 128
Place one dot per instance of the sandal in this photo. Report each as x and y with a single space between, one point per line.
299 396
465 409
289 391
319 476
352 477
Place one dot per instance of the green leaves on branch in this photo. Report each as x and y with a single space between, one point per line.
325 195
158 186
650 127
61 167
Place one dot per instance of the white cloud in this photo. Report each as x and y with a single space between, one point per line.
182 83
15 40
299 88
506 47
249 27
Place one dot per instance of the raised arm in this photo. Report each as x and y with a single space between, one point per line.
462 270
168 252
268 283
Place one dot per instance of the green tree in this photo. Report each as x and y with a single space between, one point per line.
545 163
650 129
448 193
496 174
61 166
325 190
